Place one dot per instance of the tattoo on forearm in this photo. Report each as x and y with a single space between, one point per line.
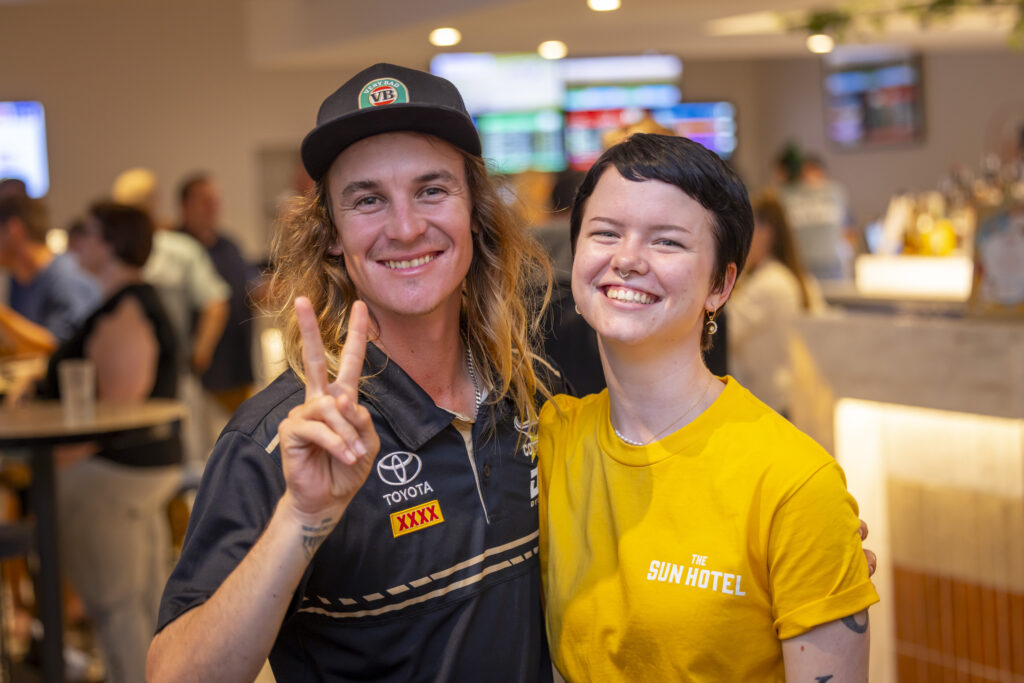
851 623
822 679
313 536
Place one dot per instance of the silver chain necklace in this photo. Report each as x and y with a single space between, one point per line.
479 394
676 421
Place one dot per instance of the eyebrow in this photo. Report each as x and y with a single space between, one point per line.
370 185
653 228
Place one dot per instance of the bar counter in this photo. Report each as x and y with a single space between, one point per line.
923 407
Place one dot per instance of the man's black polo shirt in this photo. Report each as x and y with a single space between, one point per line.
432 573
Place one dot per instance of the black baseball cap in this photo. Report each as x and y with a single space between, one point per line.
382 99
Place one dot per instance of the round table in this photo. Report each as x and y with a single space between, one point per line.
40 426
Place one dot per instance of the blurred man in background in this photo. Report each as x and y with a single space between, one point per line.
49 294
229 376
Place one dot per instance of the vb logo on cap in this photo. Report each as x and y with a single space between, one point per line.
383 91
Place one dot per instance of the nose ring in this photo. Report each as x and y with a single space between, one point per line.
625 275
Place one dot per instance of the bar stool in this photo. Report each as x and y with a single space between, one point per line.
16 540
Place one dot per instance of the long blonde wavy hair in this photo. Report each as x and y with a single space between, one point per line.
504 293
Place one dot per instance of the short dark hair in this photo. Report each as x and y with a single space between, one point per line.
31 212
9 186
127 229
695 170
190 182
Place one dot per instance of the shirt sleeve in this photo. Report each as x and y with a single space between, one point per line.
241 486
204 285
817 569
74 295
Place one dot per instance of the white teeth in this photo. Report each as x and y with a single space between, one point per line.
629 295
410 264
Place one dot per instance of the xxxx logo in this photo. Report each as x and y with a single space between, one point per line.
414 519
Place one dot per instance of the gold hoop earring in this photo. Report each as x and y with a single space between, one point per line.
577 309
711 326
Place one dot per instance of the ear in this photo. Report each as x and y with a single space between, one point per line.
717 297
336 248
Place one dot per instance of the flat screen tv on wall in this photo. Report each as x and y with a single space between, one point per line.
23 145
873 97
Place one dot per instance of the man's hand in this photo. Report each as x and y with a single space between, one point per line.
328 443
868 555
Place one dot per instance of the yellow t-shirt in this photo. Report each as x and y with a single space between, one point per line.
690 558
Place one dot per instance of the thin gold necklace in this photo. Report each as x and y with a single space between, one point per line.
664 431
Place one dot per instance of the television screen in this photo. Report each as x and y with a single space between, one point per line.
499 83
538 114
584 131
874 100
514 142
23 145
491 82
712 124
595 97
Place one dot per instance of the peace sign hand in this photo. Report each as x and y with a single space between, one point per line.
328 443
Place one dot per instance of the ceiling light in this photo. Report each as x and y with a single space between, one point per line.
445 37
552 49
820 43
604 5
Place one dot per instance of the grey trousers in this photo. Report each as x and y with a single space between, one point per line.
115 547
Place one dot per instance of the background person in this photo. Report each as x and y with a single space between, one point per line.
687 530
114 535
49 294
228 377
819 214
193 295
772 293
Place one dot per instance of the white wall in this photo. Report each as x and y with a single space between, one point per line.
163 85
974 104
170 86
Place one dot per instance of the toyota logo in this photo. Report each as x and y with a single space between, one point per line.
398 468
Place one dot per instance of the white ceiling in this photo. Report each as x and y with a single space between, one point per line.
346 33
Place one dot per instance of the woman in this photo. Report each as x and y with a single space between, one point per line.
772 293
687 531
111 500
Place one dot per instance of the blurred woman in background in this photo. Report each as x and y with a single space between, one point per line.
114 536
772 293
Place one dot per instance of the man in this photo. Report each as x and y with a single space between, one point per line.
819 215
421 564
229 376
49 294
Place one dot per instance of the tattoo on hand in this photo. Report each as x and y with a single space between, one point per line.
313 536
822 679
851 623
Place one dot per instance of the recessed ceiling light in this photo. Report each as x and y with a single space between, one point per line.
604 5
445 37
820 43
552 49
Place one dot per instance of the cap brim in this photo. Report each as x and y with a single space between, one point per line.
325 142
